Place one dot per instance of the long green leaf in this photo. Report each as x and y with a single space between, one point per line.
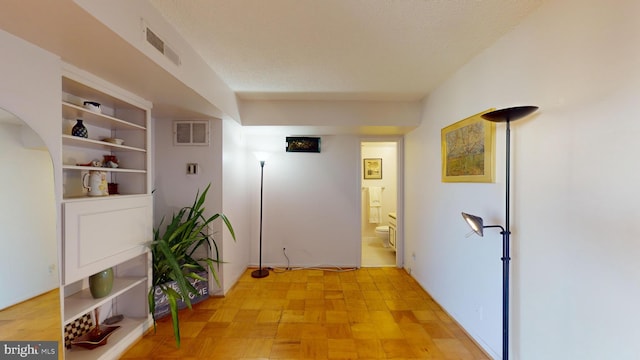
177 271
173 297
173 255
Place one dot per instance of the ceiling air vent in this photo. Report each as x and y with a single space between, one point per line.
154 40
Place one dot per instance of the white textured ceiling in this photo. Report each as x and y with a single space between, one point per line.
393 50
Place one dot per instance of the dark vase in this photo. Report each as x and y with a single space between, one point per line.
100 284
79 129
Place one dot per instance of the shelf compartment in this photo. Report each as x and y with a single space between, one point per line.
72 111
130 330
131 182
82 302
97 144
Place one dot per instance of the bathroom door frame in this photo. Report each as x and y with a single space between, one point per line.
399 140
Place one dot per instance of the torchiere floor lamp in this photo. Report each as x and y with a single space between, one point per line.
260 273
503 115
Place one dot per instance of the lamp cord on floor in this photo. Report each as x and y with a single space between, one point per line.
278 270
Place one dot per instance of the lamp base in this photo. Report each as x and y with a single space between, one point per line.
260 273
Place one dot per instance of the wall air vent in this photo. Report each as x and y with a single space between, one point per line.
156 41
191 132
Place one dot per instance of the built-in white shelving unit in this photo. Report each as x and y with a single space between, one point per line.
106 231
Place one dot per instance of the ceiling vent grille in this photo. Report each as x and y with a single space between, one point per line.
154 40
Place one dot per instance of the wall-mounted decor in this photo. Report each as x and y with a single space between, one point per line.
372 168
303 144
468 150
191 132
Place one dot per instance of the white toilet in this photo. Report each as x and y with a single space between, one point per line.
383 233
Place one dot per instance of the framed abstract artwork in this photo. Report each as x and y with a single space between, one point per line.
303 144
468 150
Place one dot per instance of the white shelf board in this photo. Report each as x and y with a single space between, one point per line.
110 196
105 169
82 302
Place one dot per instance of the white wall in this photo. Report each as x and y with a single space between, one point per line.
27 219
30 89
350 114
575 248
311 202
235 203
174 188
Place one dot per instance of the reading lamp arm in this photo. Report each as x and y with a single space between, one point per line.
495 226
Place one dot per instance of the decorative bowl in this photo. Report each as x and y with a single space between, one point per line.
92 105
96 337
114 141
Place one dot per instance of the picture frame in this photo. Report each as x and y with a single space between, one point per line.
468 150
303 144
372 168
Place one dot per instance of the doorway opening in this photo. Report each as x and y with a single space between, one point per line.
379 203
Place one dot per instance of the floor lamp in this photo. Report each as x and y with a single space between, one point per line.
260 273
475 222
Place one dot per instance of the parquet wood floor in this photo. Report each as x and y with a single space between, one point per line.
36 319
369 313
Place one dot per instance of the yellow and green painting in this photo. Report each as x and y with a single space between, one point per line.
467 150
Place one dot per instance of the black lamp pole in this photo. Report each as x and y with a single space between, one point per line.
506 257
260 273
504 115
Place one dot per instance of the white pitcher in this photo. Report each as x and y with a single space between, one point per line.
96 183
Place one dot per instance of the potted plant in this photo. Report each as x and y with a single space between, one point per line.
174 260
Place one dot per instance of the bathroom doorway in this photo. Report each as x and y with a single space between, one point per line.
379 203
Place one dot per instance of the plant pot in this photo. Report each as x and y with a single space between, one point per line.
162 303
100 284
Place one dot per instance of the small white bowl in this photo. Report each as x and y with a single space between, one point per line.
92 105
114 141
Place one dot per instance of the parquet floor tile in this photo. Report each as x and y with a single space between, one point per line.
369 313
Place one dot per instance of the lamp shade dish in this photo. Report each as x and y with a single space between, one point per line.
475 222
509 114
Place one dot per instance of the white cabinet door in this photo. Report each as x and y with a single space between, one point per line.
100 233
